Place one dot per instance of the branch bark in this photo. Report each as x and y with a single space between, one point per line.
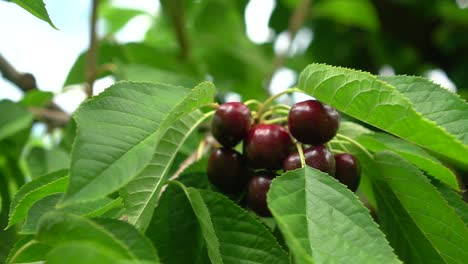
52 115
25 81
177 13
91 71
295 23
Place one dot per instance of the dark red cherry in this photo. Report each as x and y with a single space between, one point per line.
231 123
267 146
226 170
348 171
257 189
318 157
312 122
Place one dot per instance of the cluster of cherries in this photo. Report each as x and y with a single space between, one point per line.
269 148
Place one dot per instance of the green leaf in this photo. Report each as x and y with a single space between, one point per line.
195 175
116 18
108 53
48 203
454 199
57 228
375 102
14 118
33 191
323 222
37 98
37 9
43 161
139 244
142 73
366 160
142 192
27 250
119 130
435 103
419 223
83 252
174 230
210 224
379 141
360 13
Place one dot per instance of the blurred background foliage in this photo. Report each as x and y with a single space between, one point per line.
191 41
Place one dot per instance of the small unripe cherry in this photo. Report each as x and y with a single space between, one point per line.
312 122
266 146
231 123
348 170
318 157
257 190
226 170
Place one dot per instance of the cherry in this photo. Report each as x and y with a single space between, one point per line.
231 123
226 170
257 190
312 122
266 146
348 170
318 157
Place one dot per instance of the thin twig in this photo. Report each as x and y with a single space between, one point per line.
295 23
50 116
209 143
91 71
24 81
178 20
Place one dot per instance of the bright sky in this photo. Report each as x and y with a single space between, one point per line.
33 46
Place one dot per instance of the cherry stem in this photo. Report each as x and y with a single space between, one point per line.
273 110
252 102
276 120
356 144
301 154
211 105
274 97
200 149
22 249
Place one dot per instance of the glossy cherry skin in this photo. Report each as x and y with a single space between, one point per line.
231 123
267 146
348 170
226 170
312 122
257 189
318 157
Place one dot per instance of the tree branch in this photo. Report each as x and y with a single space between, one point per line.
56 118
52 115
25 81
177 14
295 23
91 72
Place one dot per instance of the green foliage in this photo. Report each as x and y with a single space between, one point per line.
324 222
223 232
144 189
57 229
360 13
14 119
380 104
418 222
125 181
110 138
43 161
37 9
35 190
36 98
379 141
